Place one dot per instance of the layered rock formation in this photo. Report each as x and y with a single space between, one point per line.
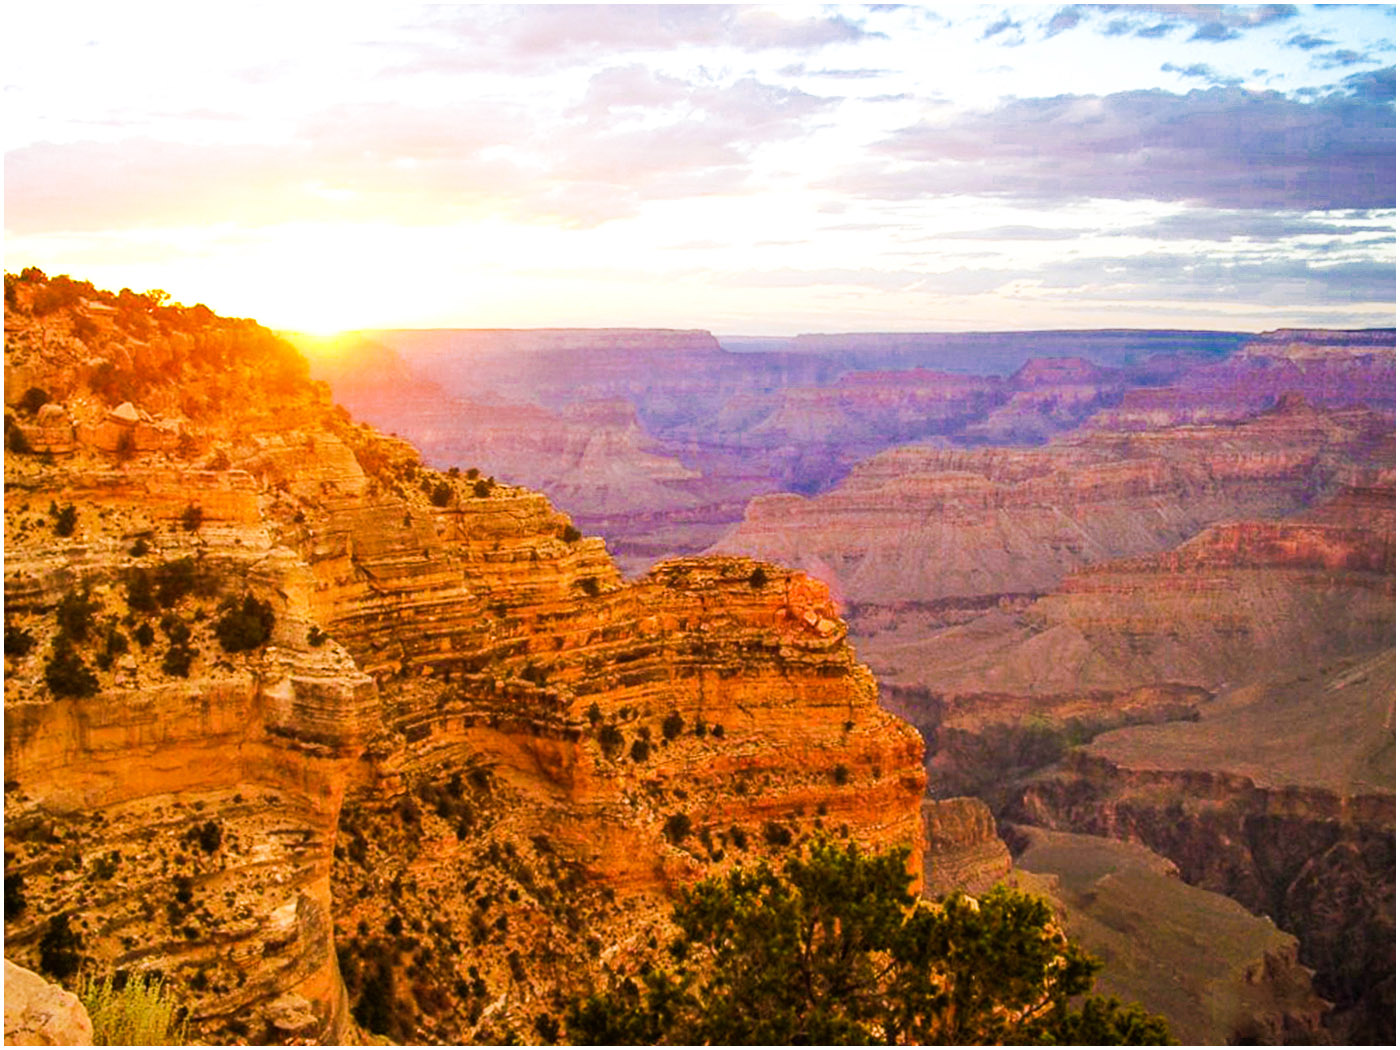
964 854
1331 369
285 706
705 428
1223 975
1252 673
919 524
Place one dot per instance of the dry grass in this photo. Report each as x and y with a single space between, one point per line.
142 1013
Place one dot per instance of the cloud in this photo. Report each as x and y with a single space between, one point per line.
1063 19
1276 281
1339 58
472 37
1376 86
1308 42
1013 233
1215 224
1004 25
636 135
1213 23
1222 147
1201 71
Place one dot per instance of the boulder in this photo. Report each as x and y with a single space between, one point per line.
38 1013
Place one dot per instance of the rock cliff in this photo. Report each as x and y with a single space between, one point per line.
964 851
332 739
919 524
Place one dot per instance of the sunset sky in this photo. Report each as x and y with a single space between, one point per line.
742 169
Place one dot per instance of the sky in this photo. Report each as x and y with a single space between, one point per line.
743 169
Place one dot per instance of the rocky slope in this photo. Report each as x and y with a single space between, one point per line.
329 737
1282 796
1229 703
1223 975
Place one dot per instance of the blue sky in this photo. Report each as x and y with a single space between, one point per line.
738 168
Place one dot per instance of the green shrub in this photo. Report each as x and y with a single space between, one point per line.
481 490
571 534
178 659
776 834
140 593
65 519
677 828
840 774
66 674
176 629
58 949
15 440
142 1012
140 548
246 625
175 580
641 750
758 579
15 901
441 495
18 641
210 836
610 740
192 517
673 726
75 612
316 637
34 399
144 635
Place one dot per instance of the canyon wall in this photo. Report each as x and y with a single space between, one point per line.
338 742
657 439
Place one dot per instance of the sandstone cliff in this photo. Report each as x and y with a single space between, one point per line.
919 524
288 711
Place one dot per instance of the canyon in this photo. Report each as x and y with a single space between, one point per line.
526 658
1115 579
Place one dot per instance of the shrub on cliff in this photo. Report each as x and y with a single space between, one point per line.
673 726
610 740
58 948
65 519
75 612
18 641
244 625
66 674
832 948
138 1012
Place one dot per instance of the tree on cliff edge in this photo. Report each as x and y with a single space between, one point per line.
832 948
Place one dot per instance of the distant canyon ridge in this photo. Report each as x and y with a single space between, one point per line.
1136 589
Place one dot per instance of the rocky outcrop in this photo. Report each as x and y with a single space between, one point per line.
1330 369
38 1013
921 524
709 428
1217 973
1282 796
964 852
332 739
